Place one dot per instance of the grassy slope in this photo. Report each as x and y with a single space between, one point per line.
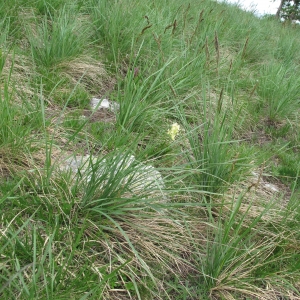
228 79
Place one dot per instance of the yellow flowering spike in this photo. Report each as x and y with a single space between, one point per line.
173 132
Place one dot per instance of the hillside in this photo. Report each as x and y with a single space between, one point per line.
148 150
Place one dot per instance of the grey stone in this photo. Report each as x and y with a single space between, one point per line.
140 179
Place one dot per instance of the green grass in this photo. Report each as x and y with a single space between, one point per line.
174 196
57 38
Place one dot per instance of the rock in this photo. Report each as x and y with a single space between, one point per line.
271 187
97 103
139 178
259 181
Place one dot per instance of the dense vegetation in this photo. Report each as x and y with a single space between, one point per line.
208 96
288 9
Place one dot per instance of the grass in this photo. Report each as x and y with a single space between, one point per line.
58 38
187 188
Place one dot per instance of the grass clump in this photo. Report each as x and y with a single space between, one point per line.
57 38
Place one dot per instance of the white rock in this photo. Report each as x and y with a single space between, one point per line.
104 103
271 187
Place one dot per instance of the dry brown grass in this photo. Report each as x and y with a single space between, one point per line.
90 73
159 246
19 69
